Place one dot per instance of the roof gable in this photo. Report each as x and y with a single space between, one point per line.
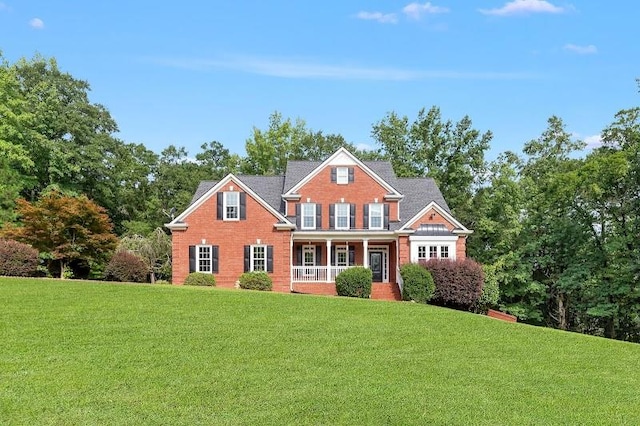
460 228
269 185
341 157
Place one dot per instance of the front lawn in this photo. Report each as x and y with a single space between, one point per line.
100 353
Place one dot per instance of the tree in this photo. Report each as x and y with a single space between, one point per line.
451 153
154 250
68 228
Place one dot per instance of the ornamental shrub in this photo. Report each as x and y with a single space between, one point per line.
127 267
354 282
200 279
417 283
490 291
18 259
458 282
257 280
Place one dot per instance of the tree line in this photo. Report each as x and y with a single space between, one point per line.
557 229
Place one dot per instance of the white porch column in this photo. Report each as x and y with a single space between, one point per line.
365 255
328 261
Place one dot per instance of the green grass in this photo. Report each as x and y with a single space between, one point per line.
96 353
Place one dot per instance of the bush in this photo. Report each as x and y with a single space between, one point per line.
458 282
127 267
490 291
200 279
417 283
257 280
18 259
354 282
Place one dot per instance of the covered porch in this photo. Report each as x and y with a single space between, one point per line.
316 261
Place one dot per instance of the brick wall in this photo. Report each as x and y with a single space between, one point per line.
231 237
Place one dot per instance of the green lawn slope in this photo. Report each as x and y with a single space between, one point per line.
98 353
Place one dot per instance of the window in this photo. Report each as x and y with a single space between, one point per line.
258 258
444 252
308 216
309 256
433 252
375 216
342 175
204 259
231 206
422 252
342 256
342 216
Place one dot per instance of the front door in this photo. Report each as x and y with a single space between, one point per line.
375 264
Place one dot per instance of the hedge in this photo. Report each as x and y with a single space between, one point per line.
257 280
200 279
458 282
417 283
354 282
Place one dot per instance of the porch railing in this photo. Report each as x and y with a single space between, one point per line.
315 274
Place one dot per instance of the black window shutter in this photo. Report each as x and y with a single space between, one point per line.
192 258
352 218
365 216
332 216
247 258
333 255
214 259
386 216
299 255
298 215
352 255
219 206
351 174
269 258
243 206
318 216
318 255
334 174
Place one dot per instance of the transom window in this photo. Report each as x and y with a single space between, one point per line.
259 258
342 175
204 259
231 206
375 216
308 216
342 216
342 256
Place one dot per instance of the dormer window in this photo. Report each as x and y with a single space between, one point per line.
342 175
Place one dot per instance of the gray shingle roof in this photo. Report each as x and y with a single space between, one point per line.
418 192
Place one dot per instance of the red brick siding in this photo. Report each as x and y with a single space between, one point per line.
231 237
363 190
437 219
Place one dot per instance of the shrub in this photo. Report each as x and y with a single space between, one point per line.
490 291
458 283
354 282
200 279
18 259
257 280
417 283
126 266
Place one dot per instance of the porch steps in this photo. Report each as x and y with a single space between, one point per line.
385 291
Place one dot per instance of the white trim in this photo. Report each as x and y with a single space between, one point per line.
179 224
381 216
416 241
385 260
309 249
460 228
313 215
252 257
198 258
225 204
341 152
347 206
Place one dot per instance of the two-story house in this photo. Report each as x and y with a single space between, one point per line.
307 226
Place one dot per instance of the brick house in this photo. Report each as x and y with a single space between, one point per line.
318 219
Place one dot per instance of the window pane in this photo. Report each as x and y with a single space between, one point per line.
309 215
341 256
444 251
433 252
232 201
342 216
375 216
204 258
422 252
259 254
342 175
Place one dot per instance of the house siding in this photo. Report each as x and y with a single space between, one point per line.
363 190
231 237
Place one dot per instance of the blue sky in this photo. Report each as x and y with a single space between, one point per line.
190 72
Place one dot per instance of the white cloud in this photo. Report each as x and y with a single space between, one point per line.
300 68
582 50
417 10
36 23
383 18
593 141
523 7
